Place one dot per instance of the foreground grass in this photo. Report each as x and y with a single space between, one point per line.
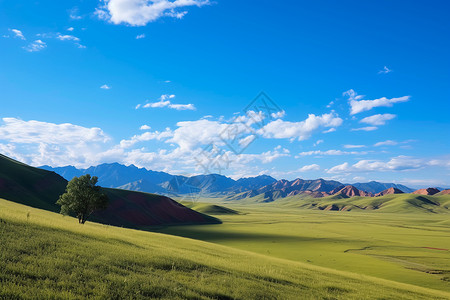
45 255
411 248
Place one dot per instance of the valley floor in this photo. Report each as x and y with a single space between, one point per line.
46 255
411 248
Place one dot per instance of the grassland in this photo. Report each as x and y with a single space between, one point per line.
46 255
409 247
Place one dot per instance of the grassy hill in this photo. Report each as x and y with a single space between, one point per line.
46 255
394 203
209 208
41 189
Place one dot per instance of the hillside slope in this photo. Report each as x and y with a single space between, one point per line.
46 255
39 188
391 203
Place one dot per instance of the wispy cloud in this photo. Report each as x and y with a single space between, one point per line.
36 46
385 70
331 153
105 87
74 14
140 13
18 34
378 120
368 128
67 37
354 146
358 105
140 36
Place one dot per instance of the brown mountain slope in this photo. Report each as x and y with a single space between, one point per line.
428 191
389 191
350 191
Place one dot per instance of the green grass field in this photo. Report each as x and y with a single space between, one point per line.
46 255
406 247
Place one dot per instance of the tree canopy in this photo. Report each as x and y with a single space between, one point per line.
82 197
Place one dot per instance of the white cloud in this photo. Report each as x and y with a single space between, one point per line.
39 143
18 34
353 146
140 36
164 101
377 120
329 130
386 143
182 106
146 136
161 103
36 46
141 12
330 152
280 129
318 143
385 70
400 163
368 128
74 14
313 167
19 131
105 87
144 127
358 105
278 114
67 37
70 29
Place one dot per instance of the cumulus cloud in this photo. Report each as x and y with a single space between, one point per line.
399 163
36 46
358 105
164 101
378 120
146 136
280 129
140 36
142 12
41 143
18 34
145 127
105 87
19 131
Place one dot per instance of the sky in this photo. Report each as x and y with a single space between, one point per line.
346 90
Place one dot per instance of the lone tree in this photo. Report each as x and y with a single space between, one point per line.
82 197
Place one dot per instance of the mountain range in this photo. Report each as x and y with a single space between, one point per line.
132 178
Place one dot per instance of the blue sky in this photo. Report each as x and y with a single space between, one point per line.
362 87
